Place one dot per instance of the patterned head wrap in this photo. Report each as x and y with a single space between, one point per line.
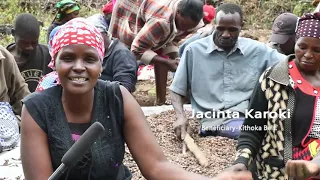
309 25
66 7
76 31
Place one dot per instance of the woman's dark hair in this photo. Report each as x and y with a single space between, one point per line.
192 9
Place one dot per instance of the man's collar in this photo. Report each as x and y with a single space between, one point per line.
213 47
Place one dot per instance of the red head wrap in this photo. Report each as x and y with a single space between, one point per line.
76 31
107 9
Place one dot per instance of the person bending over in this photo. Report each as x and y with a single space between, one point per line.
283 35
152 29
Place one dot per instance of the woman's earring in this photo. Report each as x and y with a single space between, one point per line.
100 75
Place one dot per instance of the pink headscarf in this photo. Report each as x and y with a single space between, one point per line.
75 31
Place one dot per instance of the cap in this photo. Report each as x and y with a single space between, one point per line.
107 9
283 27
209 13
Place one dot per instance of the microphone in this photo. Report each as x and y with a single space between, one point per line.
78 149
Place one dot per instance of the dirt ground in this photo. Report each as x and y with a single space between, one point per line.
145 93
219 151
145 90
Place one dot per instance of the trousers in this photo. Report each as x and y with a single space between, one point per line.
230 129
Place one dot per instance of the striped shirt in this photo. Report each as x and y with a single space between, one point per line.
146 26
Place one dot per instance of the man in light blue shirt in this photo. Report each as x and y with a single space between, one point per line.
220 72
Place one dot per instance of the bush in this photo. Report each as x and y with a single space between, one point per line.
10 9
261 13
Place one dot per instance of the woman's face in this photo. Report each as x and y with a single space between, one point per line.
78 67
307 51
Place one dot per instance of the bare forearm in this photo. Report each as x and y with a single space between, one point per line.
158 60
177 102
169 171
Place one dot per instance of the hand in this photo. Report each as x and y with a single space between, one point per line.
181 127
243 175
173 64
301 169
237 167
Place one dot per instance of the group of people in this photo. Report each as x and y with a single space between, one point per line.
86 73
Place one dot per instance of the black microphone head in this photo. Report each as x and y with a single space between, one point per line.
80 147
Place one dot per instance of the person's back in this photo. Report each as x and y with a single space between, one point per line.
31 57
125 26
283 33
152 30
120 64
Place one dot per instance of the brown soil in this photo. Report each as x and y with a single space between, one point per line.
145 93
218 150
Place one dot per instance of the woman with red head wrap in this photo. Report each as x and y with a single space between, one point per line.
283 141
53 119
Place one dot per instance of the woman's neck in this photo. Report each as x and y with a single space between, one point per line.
78 103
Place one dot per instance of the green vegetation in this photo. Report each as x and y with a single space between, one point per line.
10 9
259 14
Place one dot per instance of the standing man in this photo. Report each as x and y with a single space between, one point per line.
220 72
31 57
152 30
284 33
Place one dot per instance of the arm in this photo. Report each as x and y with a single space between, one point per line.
17 88
148 38
152 163
181 83
35 157
125 69
249 142
177 102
